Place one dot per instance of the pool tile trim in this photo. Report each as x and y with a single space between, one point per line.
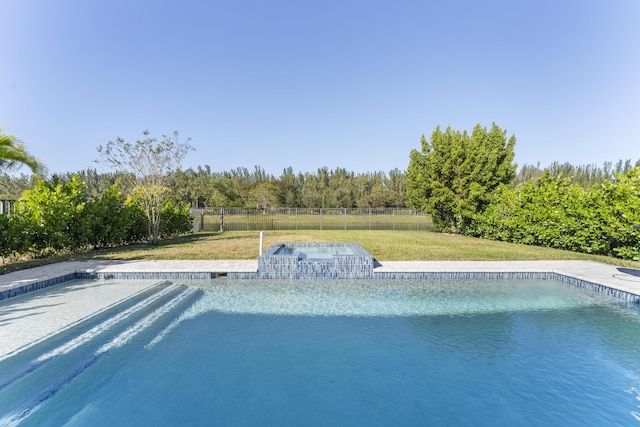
20 289
31 287
272 265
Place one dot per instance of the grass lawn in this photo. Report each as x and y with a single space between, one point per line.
383 245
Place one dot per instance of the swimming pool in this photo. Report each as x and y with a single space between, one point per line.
404 352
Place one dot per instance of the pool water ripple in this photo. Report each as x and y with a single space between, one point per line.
344 353
373 298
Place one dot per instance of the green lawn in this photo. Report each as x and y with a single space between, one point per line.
383 245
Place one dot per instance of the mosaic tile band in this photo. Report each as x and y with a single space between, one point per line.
626 296
272 264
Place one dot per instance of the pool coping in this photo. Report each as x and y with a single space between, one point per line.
613 280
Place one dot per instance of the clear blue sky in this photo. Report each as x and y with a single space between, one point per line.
350 84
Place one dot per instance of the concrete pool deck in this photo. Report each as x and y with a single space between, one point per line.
32 317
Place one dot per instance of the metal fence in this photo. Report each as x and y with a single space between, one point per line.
241 219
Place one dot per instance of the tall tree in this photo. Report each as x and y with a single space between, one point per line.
454 174
341 191
13 154
289 189
264 196
147 166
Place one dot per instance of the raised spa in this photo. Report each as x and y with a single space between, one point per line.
315 260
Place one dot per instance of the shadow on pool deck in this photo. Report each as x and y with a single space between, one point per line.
631 271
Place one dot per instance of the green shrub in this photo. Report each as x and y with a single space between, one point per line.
112 222
558 213
175 219
6 237
54 216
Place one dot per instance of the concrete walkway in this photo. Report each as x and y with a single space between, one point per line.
32 317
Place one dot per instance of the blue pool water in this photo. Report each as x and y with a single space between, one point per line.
341 353
317 252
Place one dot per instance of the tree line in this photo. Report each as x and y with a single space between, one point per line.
468 182
324 188
586 176
251 188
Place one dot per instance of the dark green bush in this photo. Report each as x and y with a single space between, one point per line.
175 219
57 217
558 213
114 223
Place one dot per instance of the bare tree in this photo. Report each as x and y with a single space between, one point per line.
147 167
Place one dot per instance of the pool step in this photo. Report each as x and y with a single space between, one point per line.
86 330
20 392
109 323
146 322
